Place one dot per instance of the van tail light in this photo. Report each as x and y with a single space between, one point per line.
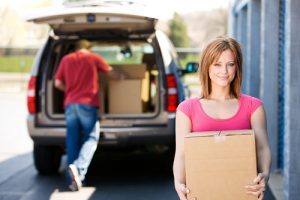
172 93
31 99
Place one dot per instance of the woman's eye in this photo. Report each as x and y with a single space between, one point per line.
217 65
231 64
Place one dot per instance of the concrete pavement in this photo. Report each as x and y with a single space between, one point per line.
276 184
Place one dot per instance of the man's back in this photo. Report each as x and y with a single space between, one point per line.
79 72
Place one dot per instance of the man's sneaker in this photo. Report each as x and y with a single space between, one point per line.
75 179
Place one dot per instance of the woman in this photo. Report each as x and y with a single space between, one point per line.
222 107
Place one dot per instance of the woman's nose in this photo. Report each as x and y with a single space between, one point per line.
224 69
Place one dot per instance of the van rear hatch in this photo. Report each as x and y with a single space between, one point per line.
71 19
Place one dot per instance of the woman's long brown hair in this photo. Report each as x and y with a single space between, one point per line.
211 54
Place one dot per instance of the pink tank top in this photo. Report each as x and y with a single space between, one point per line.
202 122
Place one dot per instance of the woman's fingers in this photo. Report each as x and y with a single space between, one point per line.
261 196
255 188
182 196
258 187
182 191
258 194
259 178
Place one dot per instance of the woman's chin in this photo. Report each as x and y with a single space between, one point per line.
223 84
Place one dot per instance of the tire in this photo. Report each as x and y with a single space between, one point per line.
46 159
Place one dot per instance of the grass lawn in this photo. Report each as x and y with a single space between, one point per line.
22 63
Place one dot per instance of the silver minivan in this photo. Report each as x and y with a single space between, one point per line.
126 37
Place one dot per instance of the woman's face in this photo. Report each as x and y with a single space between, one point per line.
222 71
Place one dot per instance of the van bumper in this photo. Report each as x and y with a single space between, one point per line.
109 136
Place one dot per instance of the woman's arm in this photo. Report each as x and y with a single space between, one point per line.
183 127
259 125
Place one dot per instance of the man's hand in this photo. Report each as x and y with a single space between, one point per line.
116 75
59 85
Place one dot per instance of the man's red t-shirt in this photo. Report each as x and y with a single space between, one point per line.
79 72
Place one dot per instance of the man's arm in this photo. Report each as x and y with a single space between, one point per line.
115 74
60 85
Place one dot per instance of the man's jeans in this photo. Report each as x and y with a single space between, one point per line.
82 135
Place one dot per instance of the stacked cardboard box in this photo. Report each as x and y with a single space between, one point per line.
219 164
127 96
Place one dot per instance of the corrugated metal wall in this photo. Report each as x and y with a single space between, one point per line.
278 47
281 83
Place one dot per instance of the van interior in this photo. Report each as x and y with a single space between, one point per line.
136 95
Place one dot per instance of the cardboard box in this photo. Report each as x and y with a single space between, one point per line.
219 164
124 96
132 71
129 96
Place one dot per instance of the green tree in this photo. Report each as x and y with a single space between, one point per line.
178 31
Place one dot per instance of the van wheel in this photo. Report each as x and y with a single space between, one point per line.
46 159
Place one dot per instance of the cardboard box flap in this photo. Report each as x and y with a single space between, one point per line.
219 133
132 71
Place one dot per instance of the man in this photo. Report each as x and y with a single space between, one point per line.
77 76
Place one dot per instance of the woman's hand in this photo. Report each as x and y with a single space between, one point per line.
181 190
258 187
